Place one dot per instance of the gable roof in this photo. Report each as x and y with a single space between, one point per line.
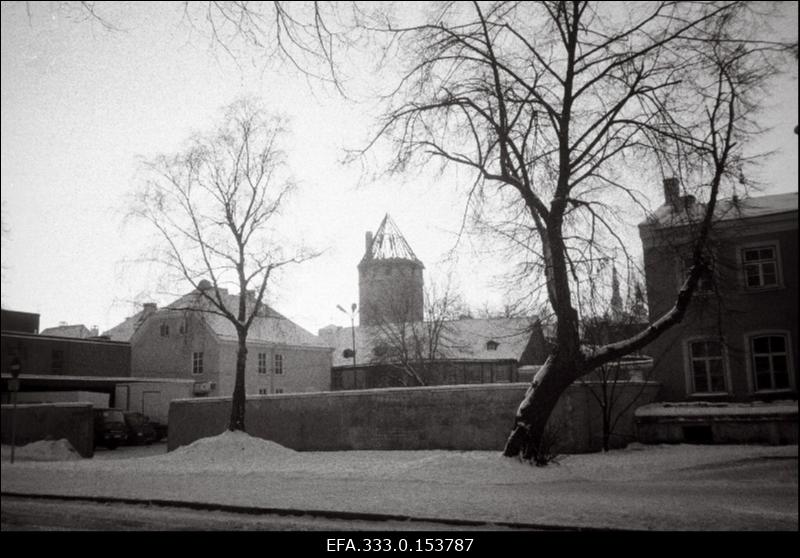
725 210
389 243
466 339
269 326
78 331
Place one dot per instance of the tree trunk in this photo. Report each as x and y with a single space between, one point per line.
541 398
237 405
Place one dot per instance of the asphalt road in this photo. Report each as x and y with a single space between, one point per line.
24 514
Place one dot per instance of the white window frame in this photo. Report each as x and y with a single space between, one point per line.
195 360
748 349
689 369
775 245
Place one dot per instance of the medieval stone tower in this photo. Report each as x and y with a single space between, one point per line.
389 278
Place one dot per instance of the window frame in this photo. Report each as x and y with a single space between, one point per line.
750 355
277 364
689 368
197 358
740 250
262 364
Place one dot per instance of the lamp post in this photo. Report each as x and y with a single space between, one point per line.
352 327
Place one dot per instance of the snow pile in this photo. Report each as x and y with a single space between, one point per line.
229 451
43 450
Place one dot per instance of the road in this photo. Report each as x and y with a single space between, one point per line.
25 514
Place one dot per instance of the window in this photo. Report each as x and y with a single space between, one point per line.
492 345
197 363
707 366
57 361
760 267
262 363
278 390
262 391
770 362
182 328
164 330
278 364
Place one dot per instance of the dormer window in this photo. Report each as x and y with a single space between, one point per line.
492 345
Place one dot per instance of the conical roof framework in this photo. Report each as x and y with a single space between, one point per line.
389 243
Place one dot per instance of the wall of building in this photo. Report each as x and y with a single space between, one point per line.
151 398
475 417
304 369
436 373
79 357
73 421
390 290
733 315
171 356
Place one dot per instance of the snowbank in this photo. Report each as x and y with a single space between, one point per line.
43 450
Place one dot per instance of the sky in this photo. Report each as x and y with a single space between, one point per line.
82 106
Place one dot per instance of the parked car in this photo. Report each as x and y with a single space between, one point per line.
140 429
109 428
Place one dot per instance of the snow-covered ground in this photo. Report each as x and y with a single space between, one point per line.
641 487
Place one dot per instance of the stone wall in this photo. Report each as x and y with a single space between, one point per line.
463 417
54 421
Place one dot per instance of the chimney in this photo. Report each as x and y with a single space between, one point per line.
149 307
94 332
671 191
368 242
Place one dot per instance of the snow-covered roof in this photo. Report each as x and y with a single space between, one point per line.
269 326
725 210
463 339
78 331
389 243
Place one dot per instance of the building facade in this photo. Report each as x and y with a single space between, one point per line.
738 339
43 355
185 341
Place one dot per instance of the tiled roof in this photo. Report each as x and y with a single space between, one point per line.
125 330
269 326
389 243
726 209
464 339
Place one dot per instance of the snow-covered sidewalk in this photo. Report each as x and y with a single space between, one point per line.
641 487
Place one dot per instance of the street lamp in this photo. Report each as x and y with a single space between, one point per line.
352 327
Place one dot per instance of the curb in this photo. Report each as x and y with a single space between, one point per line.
327 514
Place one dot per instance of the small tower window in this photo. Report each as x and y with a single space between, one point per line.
492 345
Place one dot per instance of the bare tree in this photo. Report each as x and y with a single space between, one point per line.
413 348
214 206
556 107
